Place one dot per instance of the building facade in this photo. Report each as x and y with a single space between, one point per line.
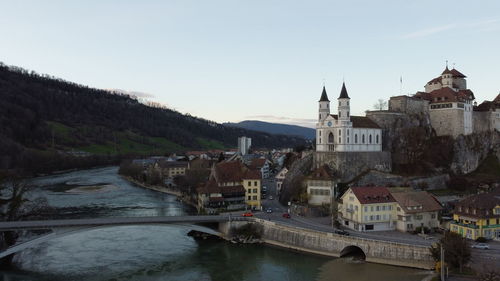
416 209
244 145
343 132
280 177
478 216
320 186
368 209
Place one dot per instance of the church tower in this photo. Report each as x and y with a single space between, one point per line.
344 107
324 106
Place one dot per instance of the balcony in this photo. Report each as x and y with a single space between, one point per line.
465 225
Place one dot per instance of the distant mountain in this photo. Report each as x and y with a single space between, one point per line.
275 128
43 118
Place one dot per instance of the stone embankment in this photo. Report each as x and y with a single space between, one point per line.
158 188
330 244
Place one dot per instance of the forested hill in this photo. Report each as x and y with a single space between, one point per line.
285 129
42 113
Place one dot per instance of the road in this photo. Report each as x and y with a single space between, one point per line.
324 224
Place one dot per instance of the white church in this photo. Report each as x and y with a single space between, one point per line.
343 132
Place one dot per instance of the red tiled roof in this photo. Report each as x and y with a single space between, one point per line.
446 94
371 195
210 187
234 171
258 163
457 73
435 80
479 205
322 173
360 122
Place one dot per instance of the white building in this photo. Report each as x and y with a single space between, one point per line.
280 177
450 103
343 132
244 144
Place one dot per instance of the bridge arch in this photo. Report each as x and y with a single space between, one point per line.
353 251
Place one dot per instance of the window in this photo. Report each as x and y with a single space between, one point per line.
340 114
377 139
255 197
371 208
340 140
363 139
378 217
255 183
355 138
378 208
330 137
390 208
340 132
366 218
366 209
347 113
369 227
370 138
255 190
340 103
249 197
249 183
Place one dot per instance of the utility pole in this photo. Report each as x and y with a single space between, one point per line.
442 263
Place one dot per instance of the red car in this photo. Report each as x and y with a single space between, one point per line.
286 215
247 214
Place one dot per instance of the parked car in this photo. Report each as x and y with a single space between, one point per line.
286 215
247 214
271 197
481 246
341 232
269 210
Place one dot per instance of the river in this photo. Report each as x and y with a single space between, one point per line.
162 252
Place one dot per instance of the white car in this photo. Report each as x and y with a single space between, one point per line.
481 246
271 197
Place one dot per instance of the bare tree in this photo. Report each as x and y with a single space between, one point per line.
380 105
16 204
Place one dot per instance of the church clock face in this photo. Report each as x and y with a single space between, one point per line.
329 123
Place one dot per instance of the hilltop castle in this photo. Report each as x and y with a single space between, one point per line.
450 106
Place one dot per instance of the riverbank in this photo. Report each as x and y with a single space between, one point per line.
181 197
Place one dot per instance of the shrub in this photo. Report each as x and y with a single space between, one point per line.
481 240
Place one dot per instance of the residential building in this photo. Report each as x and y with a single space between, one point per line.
320 186
416 209
478 216
244 145
343 132
261 164
232 185
171 169
280 177
368 209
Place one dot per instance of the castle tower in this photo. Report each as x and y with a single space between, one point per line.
344 107
324 105
447 78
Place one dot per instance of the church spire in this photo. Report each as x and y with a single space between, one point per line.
324 96
343 92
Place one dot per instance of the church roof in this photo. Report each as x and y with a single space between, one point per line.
343 93
360 122
455 73
446 71
324 96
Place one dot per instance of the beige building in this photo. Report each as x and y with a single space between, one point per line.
367 209
320 186
170 169
416 209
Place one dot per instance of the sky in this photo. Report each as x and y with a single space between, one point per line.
266 60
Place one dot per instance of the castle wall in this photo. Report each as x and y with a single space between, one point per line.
348 165
447 122
481 121
408 105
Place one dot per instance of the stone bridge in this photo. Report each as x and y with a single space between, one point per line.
273 233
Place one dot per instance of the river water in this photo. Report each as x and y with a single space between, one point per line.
162 252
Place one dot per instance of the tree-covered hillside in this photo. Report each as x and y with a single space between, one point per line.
42 115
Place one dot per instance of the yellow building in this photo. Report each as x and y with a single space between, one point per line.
171 169
478 216
368 209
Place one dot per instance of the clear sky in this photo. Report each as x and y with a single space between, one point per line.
261 59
